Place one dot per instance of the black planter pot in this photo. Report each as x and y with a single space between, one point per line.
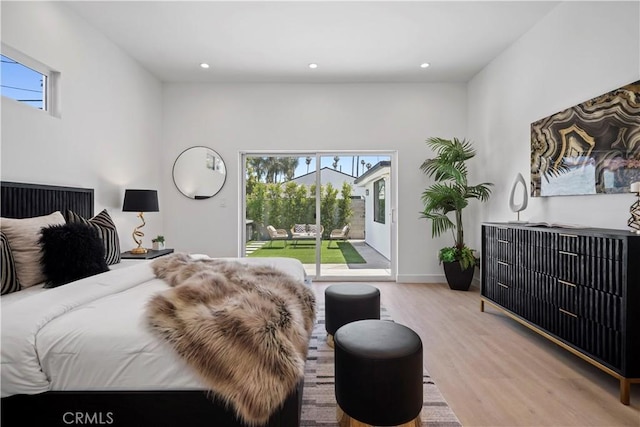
457 278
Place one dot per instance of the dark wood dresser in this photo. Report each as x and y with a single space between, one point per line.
580 288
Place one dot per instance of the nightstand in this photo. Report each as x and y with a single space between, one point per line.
151 254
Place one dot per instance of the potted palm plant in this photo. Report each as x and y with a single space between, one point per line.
450 194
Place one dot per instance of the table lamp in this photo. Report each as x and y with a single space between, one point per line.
140 201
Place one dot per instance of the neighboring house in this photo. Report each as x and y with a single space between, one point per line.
377 220
335 177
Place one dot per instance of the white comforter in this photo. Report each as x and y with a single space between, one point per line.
91 335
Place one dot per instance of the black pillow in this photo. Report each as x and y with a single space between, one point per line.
106 228
71 252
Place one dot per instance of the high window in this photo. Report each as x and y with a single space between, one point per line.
28 81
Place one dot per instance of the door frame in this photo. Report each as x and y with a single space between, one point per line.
318 154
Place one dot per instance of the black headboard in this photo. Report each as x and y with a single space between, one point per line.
20 200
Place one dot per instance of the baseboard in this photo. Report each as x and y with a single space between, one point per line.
431 278
421 278
475 283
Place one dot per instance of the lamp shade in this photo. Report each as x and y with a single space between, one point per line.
140 201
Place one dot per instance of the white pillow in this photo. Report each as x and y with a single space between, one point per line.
23 235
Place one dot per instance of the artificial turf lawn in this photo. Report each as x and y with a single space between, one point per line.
305 251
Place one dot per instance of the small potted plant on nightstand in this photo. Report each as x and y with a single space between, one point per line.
158 243
450 193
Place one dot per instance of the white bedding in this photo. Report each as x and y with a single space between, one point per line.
90 335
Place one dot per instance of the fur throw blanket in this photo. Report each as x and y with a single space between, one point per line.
244 329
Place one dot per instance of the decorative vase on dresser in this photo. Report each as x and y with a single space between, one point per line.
580 288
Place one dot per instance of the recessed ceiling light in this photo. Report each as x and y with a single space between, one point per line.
424 65
313 65
204 65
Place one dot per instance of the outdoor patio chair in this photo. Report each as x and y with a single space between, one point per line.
277 234
311 228
306 232
298 230
339 234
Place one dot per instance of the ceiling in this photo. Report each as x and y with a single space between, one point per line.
270 41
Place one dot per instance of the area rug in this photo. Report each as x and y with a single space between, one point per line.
318 399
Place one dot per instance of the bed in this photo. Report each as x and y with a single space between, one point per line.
82 353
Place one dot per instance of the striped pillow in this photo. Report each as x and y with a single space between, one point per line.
106 230
23 235
10 281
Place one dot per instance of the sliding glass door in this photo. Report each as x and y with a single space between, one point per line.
332 211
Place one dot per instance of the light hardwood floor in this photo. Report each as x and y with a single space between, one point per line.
495 372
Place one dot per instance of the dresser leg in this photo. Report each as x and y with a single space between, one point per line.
625 391
481 306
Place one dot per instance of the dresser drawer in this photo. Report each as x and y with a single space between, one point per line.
499 244
593 246
500 249
603 274
538 258
599 307
505 273
503 293
550 290
541 313
602 342
566 295
506 234
537 285
536 238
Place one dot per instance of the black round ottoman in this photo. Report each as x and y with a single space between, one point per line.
348 302
378 374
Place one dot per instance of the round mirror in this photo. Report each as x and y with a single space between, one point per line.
199 172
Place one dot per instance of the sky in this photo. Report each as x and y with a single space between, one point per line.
20 83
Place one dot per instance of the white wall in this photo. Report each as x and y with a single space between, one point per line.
243 117
108 134
578 51
120 128
377 234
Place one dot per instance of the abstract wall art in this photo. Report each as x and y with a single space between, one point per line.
592 148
